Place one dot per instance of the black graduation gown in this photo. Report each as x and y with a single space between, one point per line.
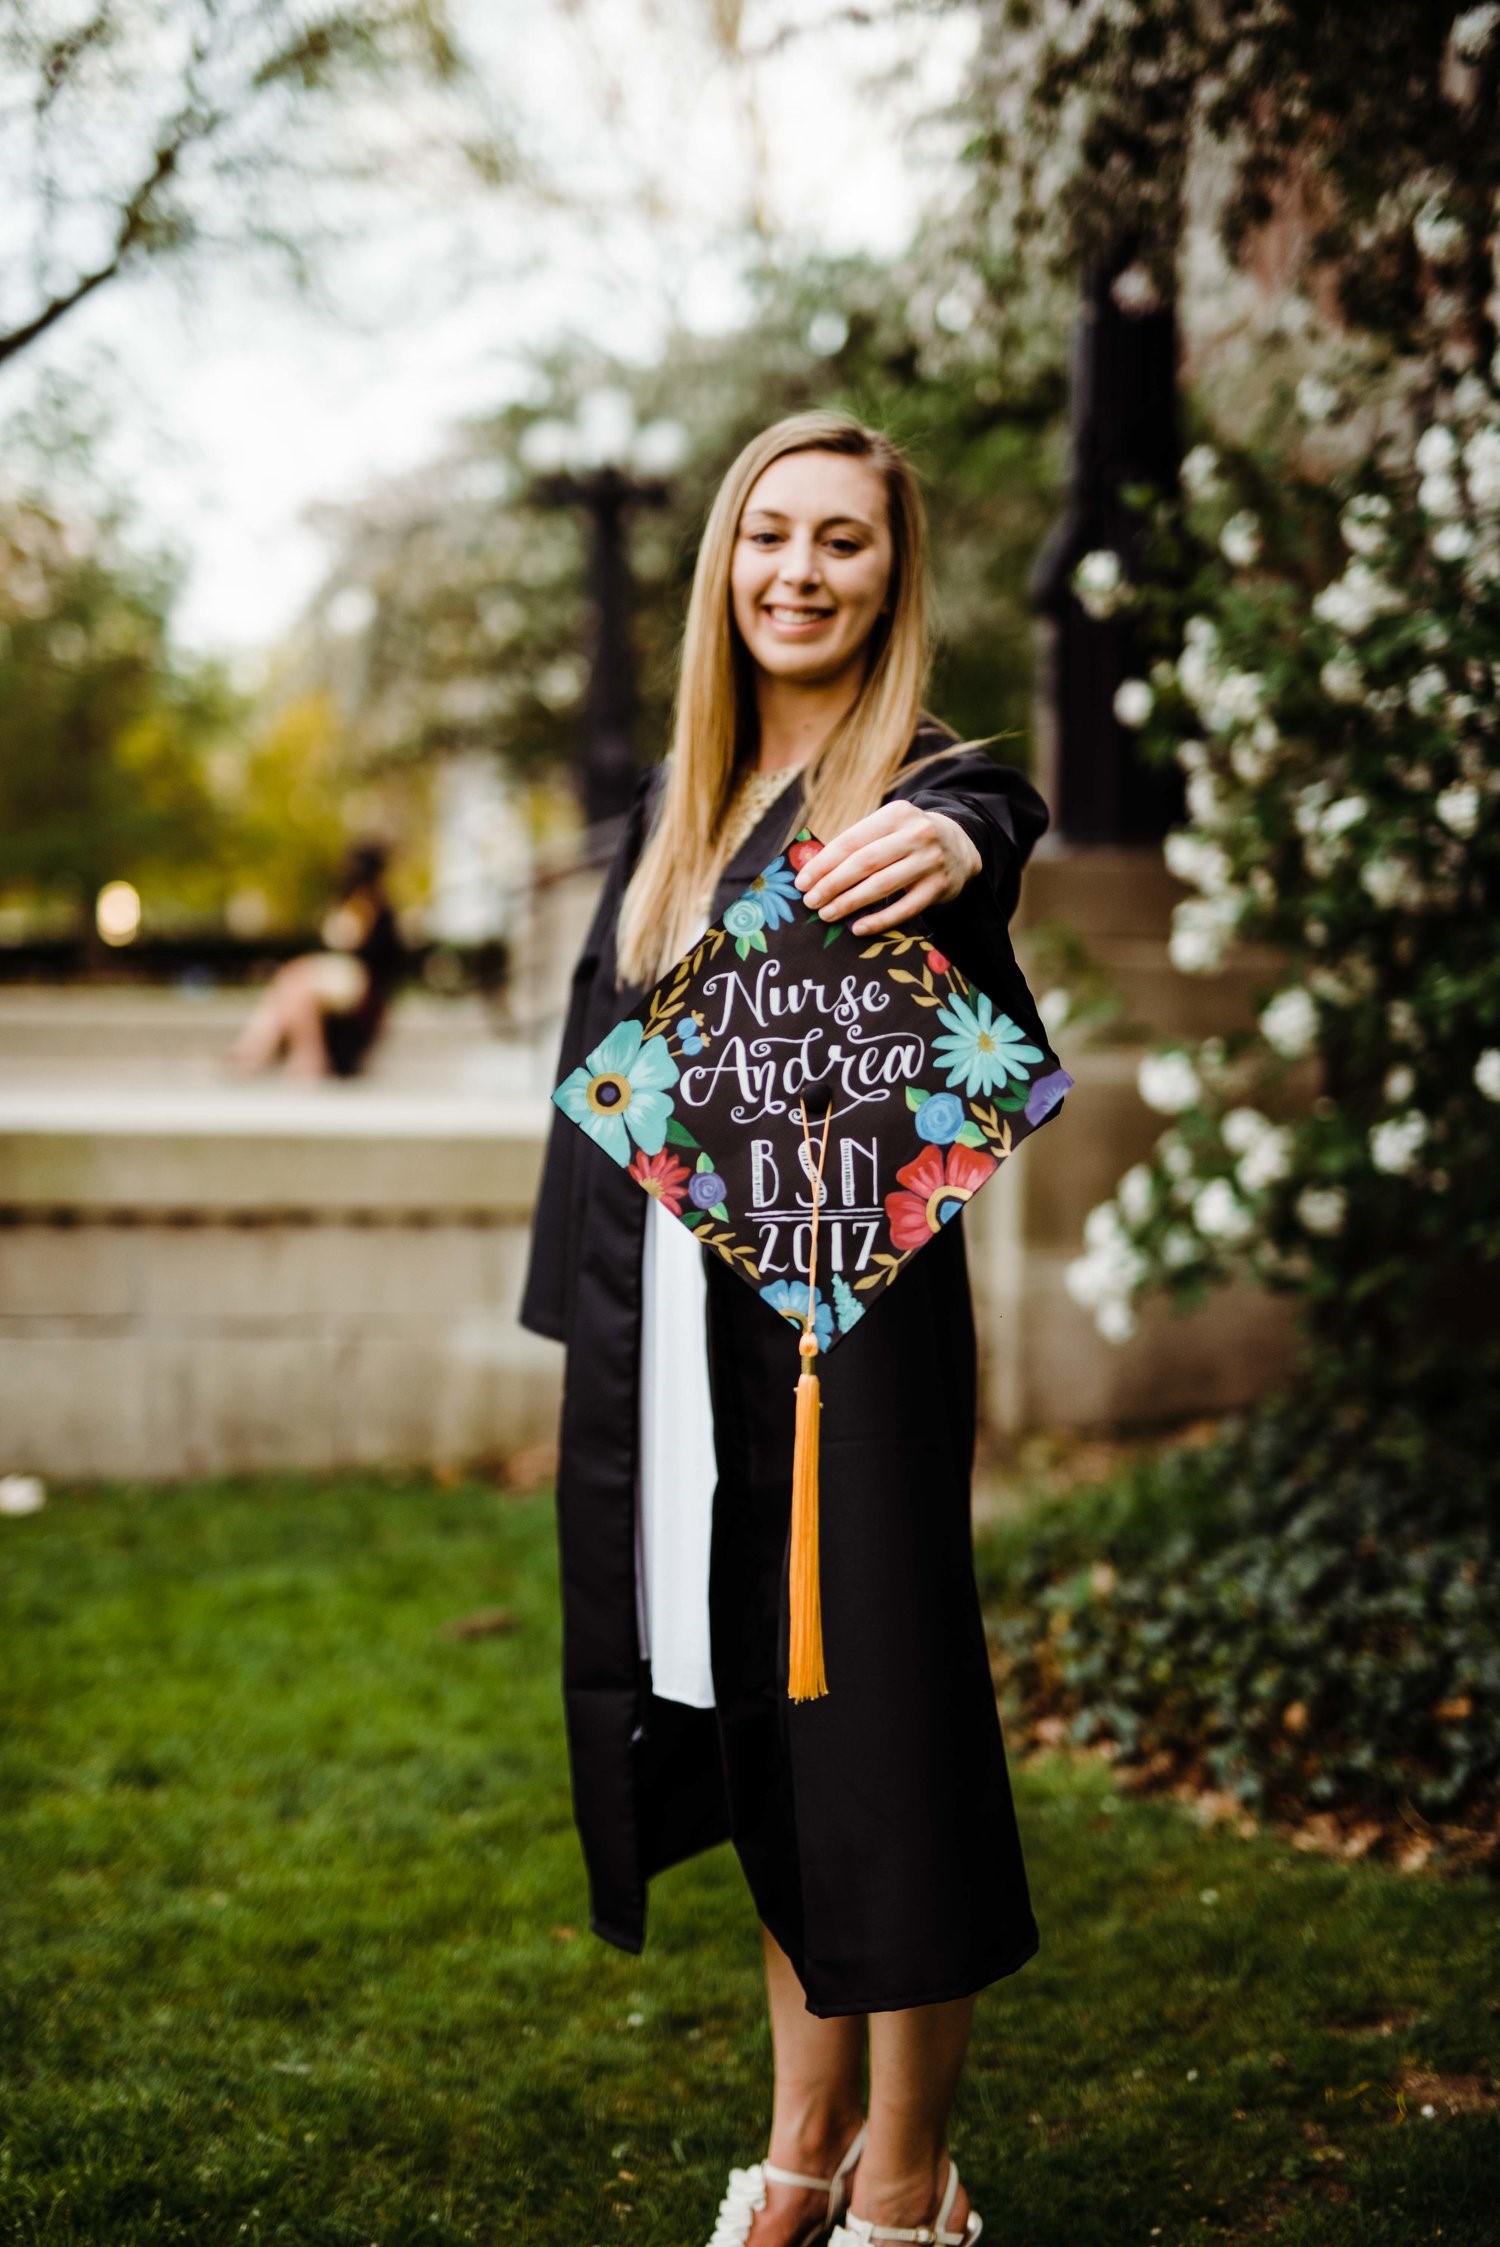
875 1826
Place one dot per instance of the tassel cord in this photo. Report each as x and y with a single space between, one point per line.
806 1678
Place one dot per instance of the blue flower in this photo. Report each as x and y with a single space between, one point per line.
981 1048
789 1297
689 1037
940 1118
776 891
621 1092
745 916
1045 1094
706 1189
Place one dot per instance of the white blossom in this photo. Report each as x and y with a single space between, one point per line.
1267 1162
1386 879
1099 582
1134 702
1241 1127
1201 931
1234 699
1205 800
1458 805
1136 1193
1474 29
1453 543
1168 1082
1439 495
1427 689
1341 815
1115 1320
1436 450
1353 602
1220 1215
1240 539
1193 858
1289 1023
1342 679
1200 472
1394 1144
1055 1006
1179 1247
1317 398
1437 233
1363 524
1487 1072
1400 1083
1175 1154
1192 756
1320 1209
1482 461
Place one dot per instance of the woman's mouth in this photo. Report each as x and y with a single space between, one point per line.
794 618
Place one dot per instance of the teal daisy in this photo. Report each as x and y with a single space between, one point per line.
981 1049
622 1093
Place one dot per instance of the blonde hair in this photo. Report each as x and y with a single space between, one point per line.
713 728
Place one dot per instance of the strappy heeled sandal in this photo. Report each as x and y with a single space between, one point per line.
856 2231
746 2196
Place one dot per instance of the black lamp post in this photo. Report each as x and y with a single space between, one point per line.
606 467
1125 432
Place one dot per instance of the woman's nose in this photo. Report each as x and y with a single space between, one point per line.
799 560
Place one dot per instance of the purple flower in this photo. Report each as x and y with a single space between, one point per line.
705 1189
1045 1094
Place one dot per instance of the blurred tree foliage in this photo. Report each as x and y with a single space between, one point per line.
140 130
1097 120
454 615
104 735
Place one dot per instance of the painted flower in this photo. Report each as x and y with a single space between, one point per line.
689 1037
937 961
801 852
775 890
706 1189
1045 1094
935 1188
789 1297
940 1118
745 917
622 1092
981 1049
663 1177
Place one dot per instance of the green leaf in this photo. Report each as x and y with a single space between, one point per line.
705 1162
679 1134
970 1135
915 1095
834 928
721 1211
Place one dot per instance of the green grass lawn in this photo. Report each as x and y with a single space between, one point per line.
294 1943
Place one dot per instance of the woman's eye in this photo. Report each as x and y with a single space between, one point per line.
844 545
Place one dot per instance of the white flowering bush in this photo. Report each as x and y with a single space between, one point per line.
1329 683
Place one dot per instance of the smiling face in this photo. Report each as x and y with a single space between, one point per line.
812 566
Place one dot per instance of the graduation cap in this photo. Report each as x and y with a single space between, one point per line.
815 1107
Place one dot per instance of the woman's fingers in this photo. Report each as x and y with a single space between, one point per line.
916 900
881 836
882 883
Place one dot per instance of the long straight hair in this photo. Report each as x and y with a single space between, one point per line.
714 725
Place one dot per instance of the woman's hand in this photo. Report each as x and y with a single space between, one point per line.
924 855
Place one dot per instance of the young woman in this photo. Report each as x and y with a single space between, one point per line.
875 1826
324 1010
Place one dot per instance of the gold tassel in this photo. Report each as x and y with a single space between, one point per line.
805 1679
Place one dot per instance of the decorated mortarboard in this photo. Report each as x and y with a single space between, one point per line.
815 1106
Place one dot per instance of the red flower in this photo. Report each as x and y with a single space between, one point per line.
938 1182
663 1176
938 962
800 853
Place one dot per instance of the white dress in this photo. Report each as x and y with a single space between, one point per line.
678 1470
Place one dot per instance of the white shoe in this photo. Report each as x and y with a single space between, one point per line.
856 2231
746 2196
